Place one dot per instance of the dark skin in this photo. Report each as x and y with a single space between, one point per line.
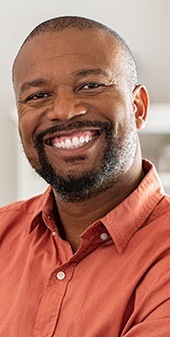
64 95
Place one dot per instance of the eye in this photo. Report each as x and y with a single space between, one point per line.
37 96
91 85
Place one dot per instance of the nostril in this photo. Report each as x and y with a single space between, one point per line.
64 110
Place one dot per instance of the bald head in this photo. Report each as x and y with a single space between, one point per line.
80 23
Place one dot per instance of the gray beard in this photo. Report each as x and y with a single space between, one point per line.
79 187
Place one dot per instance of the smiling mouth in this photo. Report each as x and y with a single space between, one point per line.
74 139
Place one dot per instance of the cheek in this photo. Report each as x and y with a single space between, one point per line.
25 130
114 105
27 123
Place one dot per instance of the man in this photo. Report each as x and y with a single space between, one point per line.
90 257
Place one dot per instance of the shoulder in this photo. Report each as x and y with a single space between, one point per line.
22 212
25 206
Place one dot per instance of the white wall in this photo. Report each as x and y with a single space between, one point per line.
145 25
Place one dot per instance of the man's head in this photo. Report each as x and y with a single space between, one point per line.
79 106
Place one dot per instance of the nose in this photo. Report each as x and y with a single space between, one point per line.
66 105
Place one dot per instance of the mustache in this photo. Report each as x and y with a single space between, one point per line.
77 125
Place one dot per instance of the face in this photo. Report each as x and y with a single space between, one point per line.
76 111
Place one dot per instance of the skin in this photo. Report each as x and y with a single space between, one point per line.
64 96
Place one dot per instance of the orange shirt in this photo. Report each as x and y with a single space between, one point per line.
116 285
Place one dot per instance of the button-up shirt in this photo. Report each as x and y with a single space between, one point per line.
117 284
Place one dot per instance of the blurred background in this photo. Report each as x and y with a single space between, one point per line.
145 25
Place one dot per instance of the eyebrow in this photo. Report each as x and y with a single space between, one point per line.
39 82
93 71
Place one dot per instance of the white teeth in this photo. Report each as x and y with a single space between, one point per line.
63 145
58 145
87 138
81 140
73 143
68 143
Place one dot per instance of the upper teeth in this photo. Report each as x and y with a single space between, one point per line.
70 143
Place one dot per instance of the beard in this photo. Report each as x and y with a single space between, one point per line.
77 187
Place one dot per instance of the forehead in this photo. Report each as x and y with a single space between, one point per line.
67 49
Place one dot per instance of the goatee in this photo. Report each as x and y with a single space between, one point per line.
76 187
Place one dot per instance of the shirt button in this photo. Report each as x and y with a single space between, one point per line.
61 275
103 236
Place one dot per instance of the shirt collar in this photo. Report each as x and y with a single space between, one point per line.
125 219
43 207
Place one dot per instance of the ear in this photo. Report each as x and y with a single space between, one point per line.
141 105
